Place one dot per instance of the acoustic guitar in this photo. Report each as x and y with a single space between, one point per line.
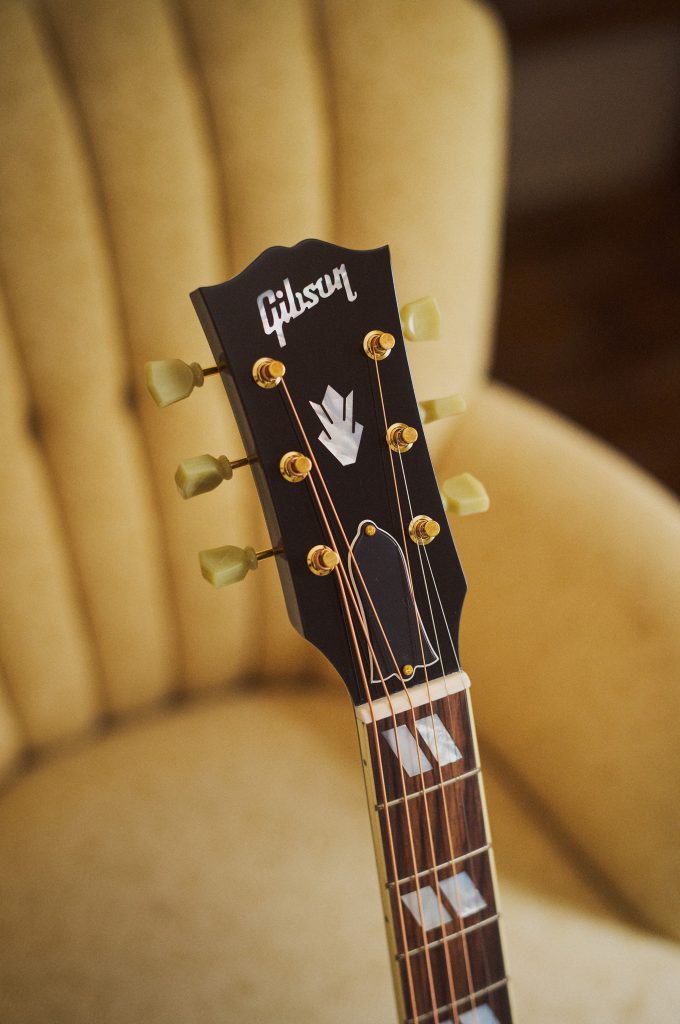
309 344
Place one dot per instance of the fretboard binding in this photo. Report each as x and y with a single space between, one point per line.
440 867
429 789
459 1002
454 935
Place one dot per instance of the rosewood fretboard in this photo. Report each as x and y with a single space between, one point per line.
434 855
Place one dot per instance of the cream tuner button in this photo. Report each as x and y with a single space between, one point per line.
464 495
223 566
171 380
203 473
438 408
421 320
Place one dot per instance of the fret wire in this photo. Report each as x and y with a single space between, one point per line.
430 789
441 867
454 935
487 991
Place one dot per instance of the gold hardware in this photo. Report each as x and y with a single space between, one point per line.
267 553
423 530
294 467
322 560
203 473
267 373
369 530
401 437
407 670
378 344
171 380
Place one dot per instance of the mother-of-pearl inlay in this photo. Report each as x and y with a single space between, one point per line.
460 892
434 913
413 761
439 739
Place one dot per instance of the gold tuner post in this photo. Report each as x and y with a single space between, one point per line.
171 380
465 495
421 320
322 560
267 373
204 473
423 530
378 344
294 467
223 566
401 437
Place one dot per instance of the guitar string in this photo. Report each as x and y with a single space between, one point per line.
351 554
383 682
360 618
461 804
383 789
458 798
353 559
442 793
344 580
471 987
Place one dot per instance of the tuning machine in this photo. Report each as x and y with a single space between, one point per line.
421 320
171 380
432 409
203 473
465 495
230 564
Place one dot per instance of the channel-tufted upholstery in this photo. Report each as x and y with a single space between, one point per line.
147 148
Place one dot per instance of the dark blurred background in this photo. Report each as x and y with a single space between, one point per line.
590 302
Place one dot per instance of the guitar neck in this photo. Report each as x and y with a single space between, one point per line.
309 345
435 860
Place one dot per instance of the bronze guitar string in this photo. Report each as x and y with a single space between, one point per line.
470 718
369 699
466 952
342 581
370 702
435 870
434 865
490 854
400 909
446 810
461 803
471 998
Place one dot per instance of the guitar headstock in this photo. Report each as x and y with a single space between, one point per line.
309 344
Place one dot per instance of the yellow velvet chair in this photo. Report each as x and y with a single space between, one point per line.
170 851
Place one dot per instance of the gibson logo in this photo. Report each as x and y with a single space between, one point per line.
280 307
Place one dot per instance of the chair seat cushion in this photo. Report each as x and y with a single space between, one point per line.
213 863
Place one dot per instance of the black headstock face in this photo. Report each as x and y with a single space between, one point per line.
311 307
